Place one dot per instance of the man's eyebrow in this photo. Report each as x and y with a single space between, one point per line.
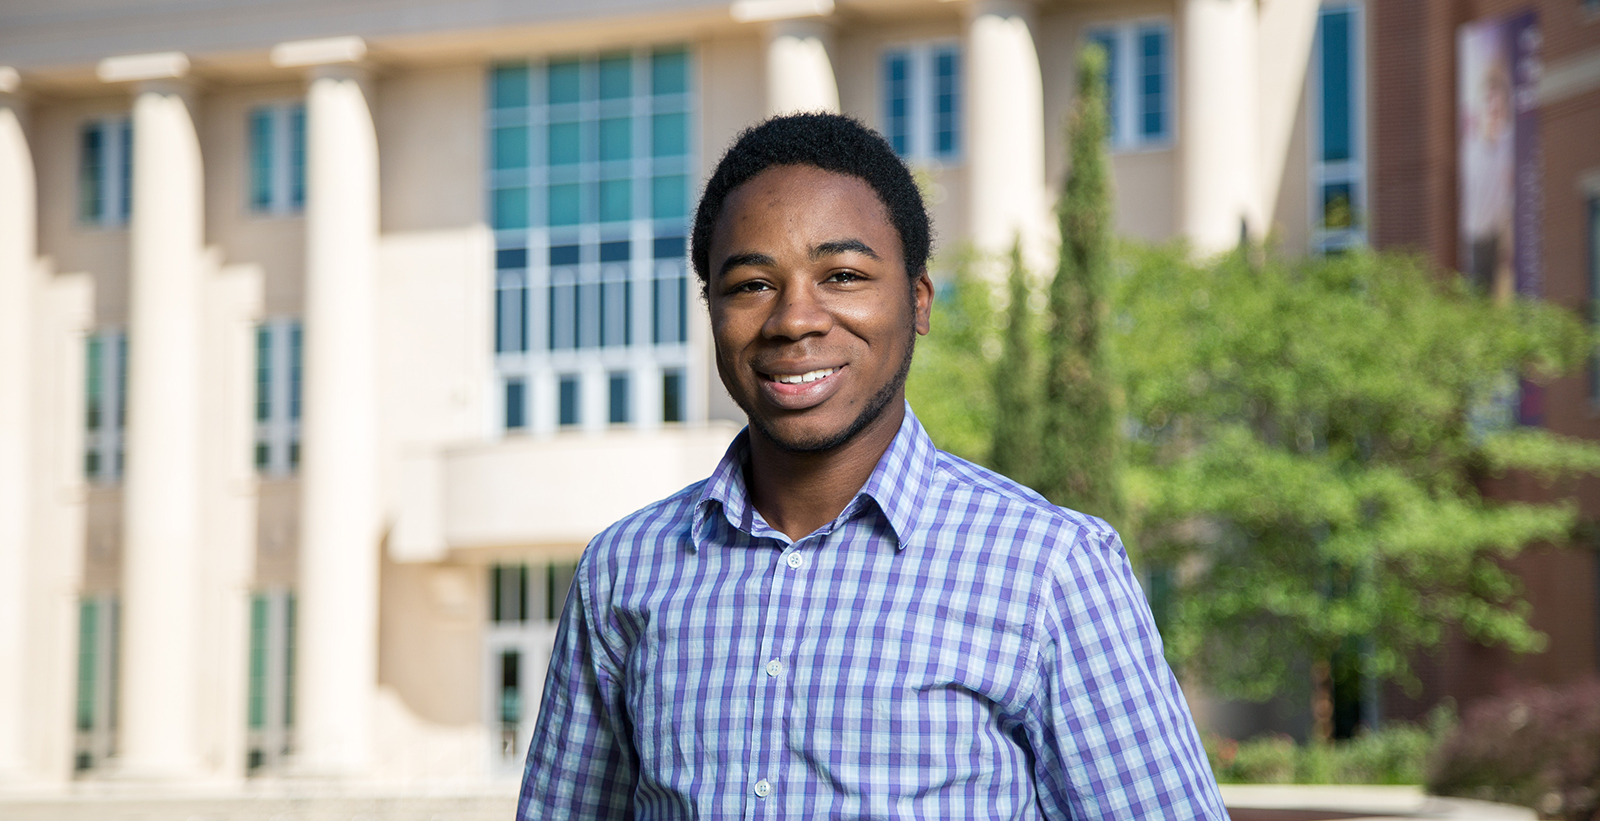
842 246
741 260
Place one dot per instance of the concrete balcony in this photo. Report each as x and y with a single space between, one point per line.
543 495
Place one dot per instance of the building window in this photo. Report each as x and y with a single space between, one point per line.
568 402
525 602
270 700
672 396
278 384
516 396
1338 131
278 158
95 737
588 192
1139 82
617 393
922 100
105 404
105 171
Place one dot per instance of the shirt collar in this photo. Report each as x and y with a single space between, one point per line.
898 484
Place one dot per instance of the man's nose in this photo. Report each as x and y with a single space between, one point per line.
798 312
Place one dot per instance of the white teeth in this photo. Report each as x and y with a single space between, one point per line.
811 376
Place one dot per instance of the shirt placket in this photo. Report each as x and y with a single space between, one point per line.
786 595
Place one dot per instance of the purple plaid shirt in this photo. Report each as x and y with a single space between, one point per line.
952 646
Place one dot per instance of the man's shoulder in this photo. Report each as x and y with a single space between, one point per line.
1011 516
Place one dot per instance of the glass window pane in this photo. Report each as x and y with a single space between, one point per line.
619 399
669 196
672 396
511 147
511 311
508 86
1338 206
563 204
616 77
563 143
563 255
516 411
124 166
263 374
616 200
563 317
619 251
568 401
669 326
897 100
669 72
614 316
669 247
946 103
506 258
258 662
510 208
1153 83
88 655
589 315
563 81
90 184
616 139
297 156
261 130
94 393
294 383
1336 86
669 135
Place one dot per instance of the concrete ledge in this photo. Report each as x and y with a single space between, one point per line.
269 805
1370 802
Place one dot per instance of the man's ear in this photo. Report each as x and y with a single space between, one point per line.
922 300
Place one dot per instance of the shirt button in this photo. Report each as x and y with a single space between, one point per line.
794 560
774 667
763 789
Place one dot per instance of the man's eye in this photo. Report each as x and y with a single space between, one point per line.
845 276
749 286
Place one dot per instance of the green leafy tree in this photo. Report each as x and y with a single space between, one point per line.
1014 449
949 382
1080 442
1307 458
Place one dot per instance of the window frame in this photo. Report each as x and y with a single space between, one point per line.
286 172
113 183
1353 171
922 134
587 310
277 436
105 426
1123 94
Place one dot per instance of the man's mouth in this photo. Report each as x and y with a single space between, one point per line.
802 378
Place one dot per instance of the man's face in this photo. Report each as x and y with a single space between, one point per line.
812 314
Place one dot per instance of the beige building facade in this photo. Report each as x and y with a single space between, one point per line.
330 332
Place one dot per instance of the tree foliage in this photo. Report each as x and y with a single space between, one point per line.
1306 457
1079 464
1014 449
949 383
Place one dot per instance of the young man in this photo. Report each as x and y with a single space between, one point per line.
843 621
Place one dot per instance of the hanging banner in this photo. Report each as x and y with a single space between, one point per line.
1500 189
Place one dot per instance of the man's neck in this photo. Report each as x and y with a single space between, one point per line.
799 492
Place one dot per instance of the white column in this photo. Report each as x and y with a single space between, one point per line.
1219 124
17 224
799 68
161 481
339 518
1005 128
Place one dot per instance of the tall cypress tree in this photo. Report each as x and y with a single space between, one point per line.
1080 449
1014 446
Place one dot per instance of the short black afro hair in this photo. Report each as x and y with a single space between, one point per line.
831 142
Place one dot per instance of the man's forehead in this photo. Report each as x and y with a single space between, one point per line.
784 183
